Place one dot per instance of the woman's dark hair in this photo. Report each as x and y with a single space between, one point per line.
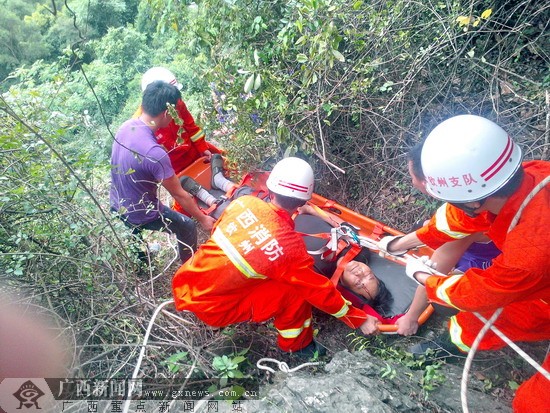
383 300
363 256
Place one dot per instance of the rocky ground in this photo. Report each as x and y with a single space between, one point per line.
375 375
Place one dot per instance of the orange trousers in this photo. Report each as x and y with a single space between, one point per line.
534 394
520 321
271 299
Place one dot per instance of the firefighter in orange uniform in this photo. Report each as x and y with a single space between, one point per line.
184 143
256 267
472 162
457 237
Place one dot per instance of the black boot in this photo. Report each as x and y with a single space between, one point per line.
190 185
311 350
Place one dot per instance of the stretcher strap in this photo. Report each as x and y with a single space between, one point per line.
214 206
231 191
321 235
330 251
348 256
378 231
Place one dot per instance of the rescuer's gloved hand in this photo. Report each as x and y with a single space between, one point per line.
422 264
384 245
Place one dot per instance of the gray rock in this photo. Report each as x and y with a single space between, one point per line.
352 382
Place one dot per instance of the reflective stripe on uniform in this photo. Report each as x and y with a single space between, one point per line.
198 135
237 259
295 332
343 311
456 334
441 291
442 224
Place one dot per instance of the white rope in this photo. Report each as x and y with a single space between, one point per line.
283 366
141 354
517 349
489 325
469 359
528 199
369 243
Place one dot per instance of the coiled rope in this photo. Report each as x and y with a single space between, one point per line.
283 366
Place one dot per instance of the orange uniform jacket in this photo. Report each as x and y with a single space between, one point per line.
518 280
184 143
451 223
255 267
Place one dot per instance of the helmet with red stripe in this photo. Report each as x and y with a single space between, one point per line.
292 177
159 73
467 158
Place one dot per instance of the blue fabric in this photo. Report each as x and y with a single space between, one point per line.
479 255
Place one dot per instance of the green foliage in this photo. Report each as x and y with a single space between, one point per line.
123 46
228 367
173 363
432 376
513 385
35 30
95 17
58 242
353 84
388 372
20 39
61 33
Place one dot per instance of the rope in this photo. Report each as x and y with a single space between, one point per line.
141 354
489 325
283 366
369 243
528 199
515 347
470 358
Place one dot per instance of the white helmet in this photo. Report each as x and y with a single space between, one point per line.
292 177
467 158
159 73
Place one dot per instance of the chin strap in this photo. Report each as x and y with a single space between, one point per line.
338 240
348 256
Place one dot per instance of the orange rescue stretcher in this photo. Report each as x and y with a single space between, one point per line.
389 269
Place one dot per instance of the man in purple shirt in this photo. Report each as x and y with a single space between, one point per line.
139 165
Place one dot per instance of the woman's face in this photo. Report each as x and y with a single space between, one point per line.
359 278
